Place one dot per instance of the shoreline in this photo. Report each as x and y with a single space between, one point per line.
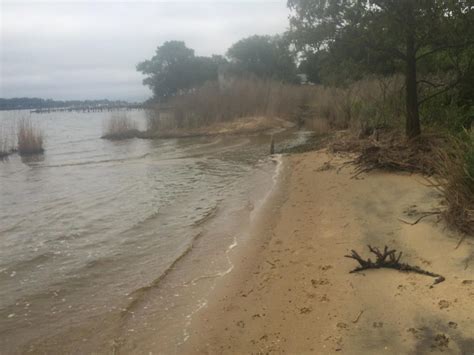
242 126
199 291
291 291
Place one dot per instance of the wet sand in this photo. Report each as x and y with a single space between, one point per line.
291 290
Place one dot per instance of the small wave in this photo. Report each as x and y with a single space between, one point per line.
118 160
27 264
138 295
217 149
220 273
207 216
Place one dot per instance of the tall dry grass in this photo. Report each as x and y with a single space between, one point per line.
454 164
214 103
369 103
29 137
7 139
120 126
373 102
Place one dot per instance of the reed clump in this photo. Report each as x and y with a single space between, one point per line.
7 140
29 138
454 162
120 126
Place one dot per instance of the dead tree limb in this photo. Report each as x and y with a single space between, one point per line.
390 260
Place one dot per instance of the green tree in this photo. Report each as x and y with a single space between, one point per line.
397 33
265 57
175 69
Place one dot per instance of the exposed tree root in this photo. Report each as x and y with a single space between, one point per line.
389 259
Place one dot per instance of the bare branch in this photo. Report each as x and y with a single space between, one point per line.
393 262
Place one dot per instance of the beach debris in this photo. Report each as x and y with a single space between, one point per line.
424 215
358 317
389 259
460 241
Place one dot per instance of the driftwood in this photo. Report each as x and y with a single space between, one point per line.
390 260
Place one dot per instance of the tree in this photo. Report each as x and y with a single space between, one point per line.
175 69
405 32
265 57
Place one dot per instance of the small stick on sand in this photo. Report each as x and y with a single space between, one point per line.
460 241
272 145
419 219
358 317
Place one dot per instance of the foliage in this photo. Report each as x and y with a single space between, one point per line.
384 37
175 69
265 57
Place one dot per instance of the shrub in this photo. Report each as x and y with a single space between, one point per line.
30 138
120 126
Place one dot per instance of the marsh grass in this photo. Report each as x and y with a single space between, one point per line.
120 126
454 162
369 103
7 139
29 137
216 102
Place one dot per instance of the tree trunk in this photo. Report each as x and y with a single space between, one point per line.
413 117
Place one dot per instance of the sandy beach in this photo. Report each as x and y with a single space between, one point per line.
291 290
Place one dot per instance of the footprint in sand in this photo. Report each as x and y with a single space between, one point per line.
324 299
319 282
305 310
443 304
342 325
325 267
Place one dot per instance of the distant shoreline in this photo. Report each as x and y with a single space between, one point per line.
38 105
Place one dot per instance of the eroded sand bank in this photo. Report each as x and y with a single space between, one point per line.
291 291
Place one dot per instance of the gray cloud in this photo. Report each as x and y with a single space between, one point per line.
89 49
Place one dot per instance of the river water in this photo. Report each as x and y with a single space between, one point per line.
92 228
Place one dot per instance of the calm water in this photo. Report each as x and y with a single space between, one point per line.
89 227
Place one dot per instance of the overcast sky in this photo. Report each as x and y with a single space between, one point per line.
88 49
